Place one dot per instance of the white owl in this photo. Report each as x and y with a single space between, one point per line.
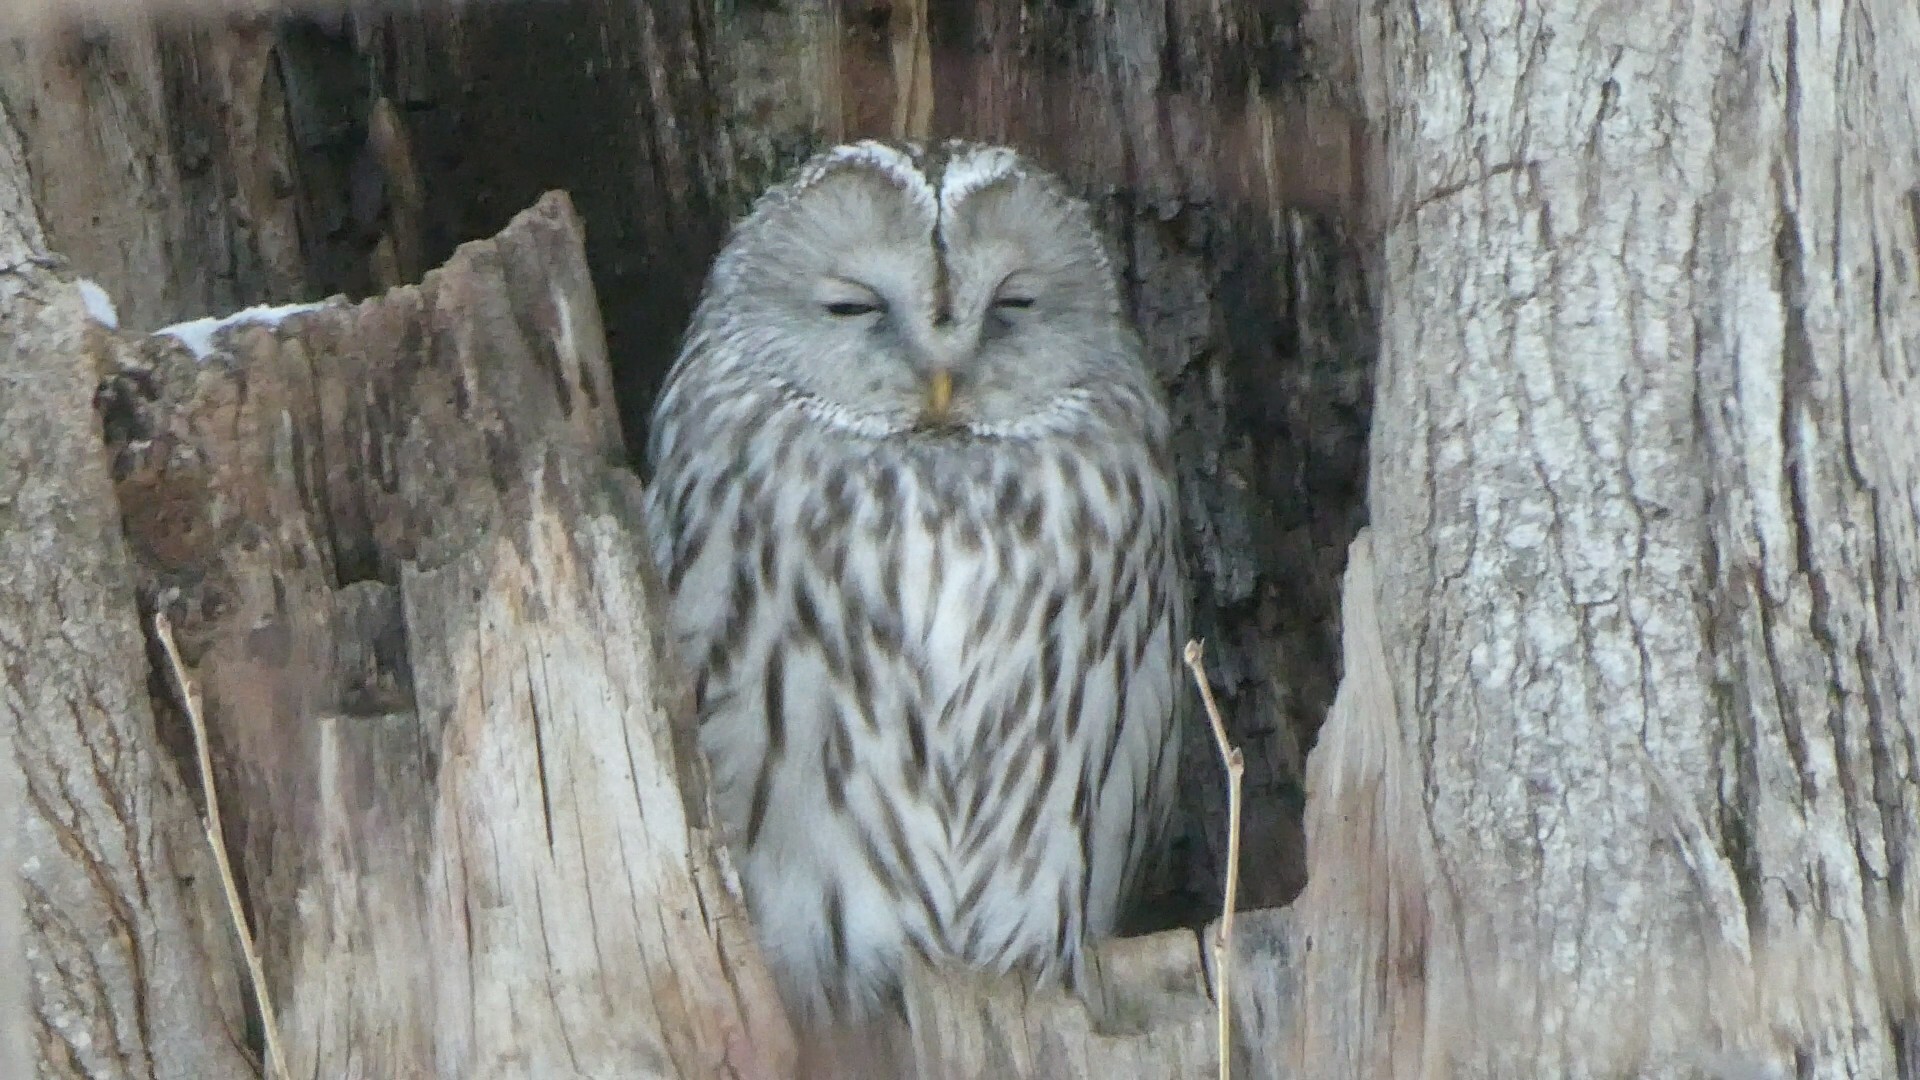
913 501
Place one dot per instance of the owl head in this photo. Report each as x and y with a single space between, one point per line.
900 290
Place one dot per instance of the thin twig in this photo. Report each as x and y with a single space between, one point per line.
1236 764
217 839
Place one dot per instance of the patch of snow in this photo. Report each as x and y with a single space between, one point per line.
198 335
99 305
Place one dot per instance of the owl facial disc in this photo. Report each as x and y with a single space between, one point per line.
955 290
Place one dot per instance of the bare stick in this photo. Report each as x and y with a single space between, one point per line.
1236 764
217 839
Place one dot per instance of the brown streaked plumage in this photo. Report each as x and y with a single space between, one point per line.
912 499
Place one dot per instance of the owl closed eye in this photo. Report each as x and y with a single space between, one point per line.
977 297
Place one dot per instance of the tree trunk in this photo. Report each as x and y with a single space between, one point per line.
158 152
194 165
129 975
1623 771
408 573
1643 797
16 1028
260 158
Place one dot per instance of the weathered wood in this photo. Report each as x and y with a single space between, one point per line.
406 569
157 152
20 239
1361 991
1155 1019
1221 170
1644 479
1645 508
128 977
1265 987
16 1026
1218 170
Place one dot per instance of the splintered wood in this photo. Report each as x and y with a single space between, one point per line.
405 571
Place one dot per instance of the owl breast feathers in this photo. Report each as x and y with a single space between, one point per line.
913 501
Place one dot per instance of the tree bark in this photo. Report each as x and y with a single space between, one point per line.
1644 499
1637 739
159 154
130 967
19 237
1158 1021
408 573
302 148
1361 926
309 695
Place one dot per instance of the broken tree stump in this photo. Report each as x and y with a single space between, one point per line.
406 568
408 575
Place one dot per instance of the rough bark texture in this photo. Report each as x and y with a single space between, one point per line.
1190 130
19 237
1644 486
1361 925
158 153
407 571
304 148
129 965
16 1029
1629 781
1158 1022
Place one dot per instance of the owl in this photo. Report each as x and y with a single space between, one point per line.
912 499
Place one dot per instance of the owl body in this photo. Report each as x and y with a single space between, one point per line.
913 503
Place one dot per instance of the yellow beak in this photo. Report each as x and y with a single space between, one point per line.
939 392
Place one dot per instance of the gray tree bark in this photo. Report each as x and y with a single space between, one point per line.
114 968
1623 774
195 165
1646 477
157 151
20 233
408 573
289 157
